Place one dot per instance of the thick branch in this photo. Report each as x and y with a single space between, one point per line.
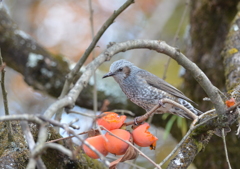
23 54
42 70
231 56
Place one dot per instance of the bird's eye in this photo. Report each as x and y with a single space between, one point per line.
120 69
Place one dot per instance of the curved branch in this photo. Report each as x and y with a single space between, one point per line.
158 46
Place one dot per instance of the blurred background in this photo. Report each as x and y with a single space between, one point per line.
63 27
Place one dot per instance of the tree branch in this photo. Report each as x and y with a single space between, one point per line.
104 27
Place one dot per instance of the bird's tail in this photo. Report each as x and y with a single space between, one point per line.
190 106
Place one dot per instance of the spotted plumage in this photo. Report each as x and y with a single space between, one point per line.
145 89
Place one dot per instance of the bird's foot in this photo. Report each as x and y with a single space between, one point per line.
161 104
135 121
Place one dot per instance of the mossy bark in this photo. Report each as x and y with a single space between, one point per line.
210 23
213 48
16 154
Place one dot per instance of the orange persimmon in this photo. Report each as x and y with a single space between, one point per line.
230 102
115 145
111 120
142 137
98 143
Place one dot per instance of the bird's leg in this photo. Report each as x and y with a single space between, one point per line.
146 115
161 104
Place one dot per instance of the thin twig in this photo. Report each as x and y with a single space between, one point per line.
25 117
238 130
56 123
60 148
95 105
80 113
31 143
65 138
143 117
5 99
127 162
225 148
123 111
176 38
190 113
183 140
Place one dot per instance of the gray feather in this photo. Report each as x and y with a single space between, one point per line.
156 82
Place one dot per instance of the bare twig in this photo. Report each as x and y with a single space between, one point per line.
65 138
25 117
123 112
60 148
238 130
80 113
190 113
225 149
143 117
184 139
31 164
93 56
176 37
28 135
56 123
100 131
127 162
5 100
31 144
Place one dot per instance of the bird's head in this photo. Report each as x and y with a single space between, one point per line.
119 70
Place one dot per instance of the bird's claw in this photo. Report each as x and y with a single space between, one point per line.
161 104
135 121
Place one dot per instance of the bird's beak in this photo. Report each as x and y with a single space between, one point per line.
108 74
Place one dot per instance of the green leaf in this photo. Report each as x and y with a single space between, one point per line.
165 115
169 126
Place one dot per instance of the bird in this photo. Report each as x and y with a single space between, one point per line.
146 89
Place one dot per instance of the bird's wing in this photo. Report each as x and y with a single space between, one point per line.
159 83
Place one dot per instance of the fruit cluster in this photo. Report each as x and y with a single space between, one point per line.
111 144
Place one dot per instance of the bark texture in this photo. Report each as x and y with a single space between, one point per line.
210 22
215 50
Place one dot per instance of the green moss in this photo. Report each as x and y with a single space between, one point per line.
17 152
